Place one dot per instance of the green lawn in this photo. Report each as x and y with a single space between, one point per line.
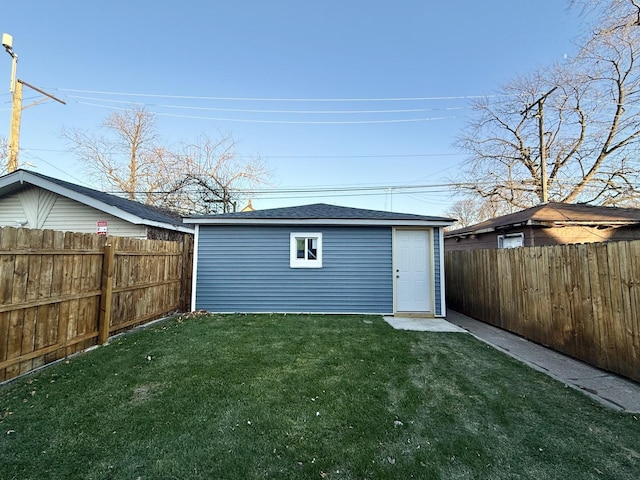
305 397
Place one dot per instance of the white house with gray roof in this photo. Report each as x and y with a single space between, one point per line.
319 259
32 200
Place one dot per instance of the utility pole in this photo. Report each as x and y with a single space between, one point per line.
543 143
14 129
15 88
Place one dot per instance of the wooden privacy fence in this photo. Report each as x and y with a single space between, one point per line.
581 300
62 292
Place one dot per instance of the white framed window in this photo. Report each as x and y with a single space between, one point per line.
305 250
511 240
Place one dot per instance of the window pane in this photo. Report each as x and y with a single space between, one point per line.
305 250
312 251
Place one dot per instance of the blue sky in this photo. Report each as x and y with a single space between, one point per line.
251 68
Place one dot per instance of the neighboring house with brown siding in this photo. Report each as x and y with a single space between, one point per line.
548 224
32 200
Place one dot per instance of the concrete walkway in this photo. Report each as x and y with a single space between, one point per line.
423 324
609 389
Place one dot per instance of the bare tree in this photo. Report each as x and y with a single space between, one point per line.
567 133
4 155
609 15
209 177
465 212
127 157
4 158
206 177
471 210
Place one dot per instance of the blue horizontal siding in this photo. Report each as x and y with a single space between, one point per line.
246 269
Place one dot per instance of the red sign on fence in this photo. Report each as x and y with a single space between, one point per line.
102 227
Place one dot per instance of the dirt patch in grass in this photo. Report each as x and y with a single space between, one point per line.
143 393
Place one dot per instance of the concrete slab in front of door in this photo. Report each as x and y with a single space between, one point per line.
423 324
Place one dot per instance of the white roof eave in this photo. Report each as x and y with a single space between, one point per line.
25 177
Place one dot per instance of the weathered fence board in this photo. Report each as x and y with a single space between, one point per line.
53 293
582 300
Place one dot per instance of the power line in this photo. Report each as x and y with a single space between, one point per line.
286 196
250 110
267 99
399 155
27 153
313 191
345 194
355 188
315 112
293 157
284 122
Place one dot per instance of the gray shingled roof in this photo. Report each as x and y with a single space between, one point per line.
321 211
138 209
556 213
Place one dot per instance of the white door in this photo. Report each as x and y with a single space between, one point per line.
411 271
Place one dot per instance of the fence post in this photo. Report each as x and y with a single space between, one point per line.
107 294
187 268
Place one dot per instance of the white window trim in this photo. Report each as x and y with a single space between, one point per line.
294 261
501 239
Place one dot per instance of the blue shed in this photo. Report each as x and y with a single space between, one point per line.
319 259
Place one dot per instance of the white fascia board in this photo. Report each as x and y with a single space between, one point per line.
316 222
483 230
194 273
25 177
166 226
78 197
617 223
468 234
